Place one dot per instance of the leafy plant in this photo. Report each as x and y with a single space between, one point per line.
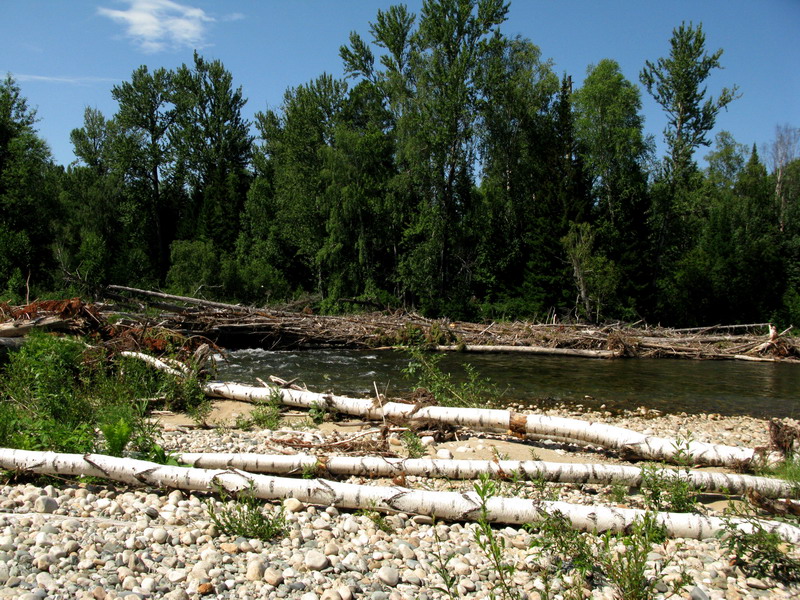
666 492
118 434
378 519
321 412
567 548
413 444
623 560
759 552
267 413
493 546
440 565
473 392
244 516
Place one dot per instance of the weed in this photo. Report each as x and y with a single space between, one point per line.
568 548
440 566
267 414
473 392
759 552
321 412
662 491
493 546
309 472
244 517
378 519
623 560
618 492
200 412
413 444
118 434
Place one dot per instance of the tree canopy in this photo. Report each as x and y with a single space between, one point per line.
452 170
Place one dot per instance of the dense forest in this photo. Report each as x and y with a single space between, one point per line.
452 171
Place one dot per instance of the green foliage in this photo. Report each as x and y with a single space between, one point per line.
566 547
267 414
377 518
244 516
663 492
758 551
493 545
623 560
473 392
320 412
413 444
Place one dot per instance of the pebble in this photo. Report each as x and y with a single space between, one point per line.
106 543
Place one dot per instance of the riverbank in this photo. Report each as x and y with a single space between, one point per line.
70 540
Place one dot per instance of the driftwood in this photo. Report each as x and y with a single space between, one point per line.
628 442
371 466
454 506
234 325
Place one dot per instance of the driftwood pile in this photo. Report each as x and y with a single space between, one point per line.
235 326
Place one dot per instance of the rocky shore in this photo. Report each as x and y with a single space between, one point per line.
103 541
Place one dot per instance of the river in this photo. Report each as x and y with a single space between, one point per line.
725 387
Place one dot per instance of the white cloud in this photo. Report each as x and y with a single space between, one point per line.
21 77
157 24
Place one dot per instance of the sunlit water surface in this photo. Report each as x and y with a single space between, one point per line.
726 387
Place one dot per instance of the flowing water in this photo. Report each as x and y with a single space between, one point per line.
725 387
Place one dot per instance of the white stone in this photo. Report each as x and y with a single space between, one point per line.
444 453
316 561
388 575
255 569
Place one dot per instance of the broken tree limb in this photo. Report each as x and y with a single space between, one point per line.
186 299
370 466
607 436
22 327
453 506
532 350
155 362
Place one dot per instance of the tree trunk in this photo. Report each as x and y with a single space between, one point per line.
454 506
370 466
607 436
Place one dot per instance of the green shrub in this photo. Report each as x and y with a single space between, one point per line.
473 392
244 516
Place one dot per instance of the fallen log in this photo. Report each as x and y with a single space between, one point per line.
22 327
623 440
370 466
453 506
532 350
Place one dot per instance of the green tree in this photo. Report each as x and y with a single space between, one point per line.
213 141
146 115
518 89
609 126
677 83
28 196
292 155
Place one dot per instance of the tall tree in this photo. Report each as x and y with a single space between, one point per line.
783 150
609 126
518 89
677 83
147 114
214 143
28 195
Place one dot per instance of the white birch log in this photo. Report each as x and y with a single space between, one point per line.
372 466
453 506
154 362
599 434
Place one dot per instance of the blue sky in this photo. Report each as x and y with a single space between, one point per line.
67 54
